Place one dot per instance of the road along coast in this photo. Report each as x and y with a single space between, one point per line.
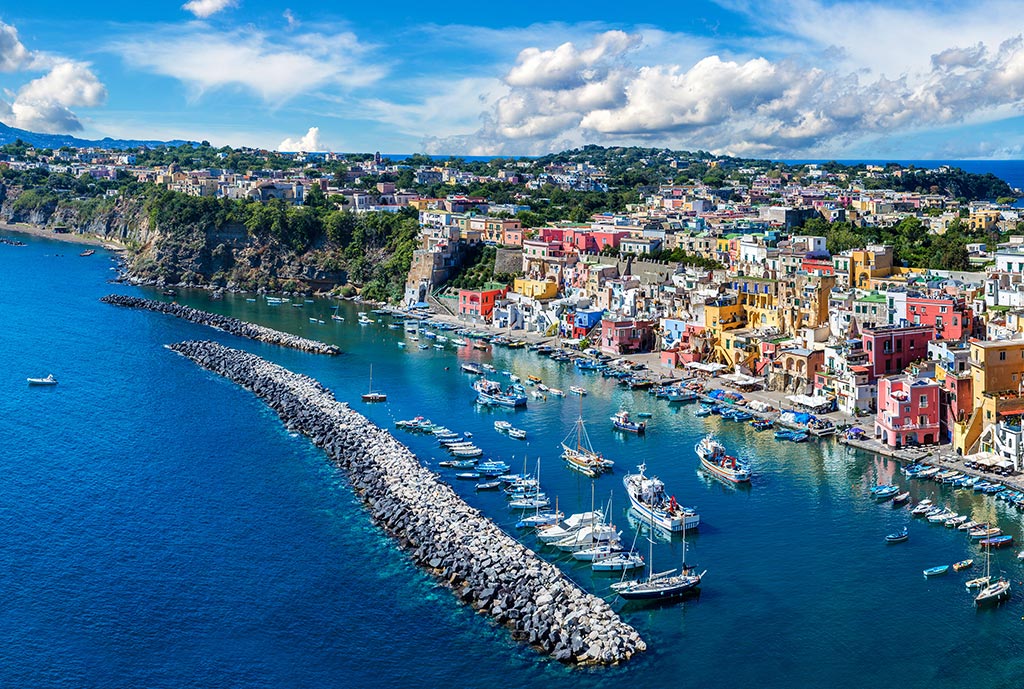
479 562
228 324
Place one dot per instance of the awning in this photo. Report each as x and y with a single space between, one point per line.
706 368
813 402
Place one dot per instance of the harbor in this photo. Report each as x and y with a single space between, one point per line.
267 522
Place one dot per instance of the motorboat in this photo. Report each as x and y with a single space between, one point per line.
898 537
714 460
621 422
48 380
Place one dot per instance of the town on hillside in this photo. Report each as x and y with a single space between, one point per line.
892 294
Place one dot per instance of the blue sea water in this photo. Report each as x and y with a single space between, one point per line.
162 529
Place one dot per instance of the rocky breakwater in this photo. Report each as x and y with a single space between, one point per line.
483 565
225 323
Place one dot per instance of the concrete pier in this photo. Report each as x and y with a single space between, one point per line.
225 323
479 562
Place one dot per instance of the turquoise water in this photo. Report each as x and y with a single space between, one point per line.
162 529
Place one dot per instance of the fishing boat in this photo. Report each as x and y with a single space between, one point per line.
582 457
48 380
649 501
502 426
956 521
467 451
996 541
962 565
88 252
714 460
556 392
468 476
936 571
517 433
704 410
983 533
469 367
791 435
968 526
372 396
762 424
488 485
884 492
898 537
621 422
661 585
577 390
491 393
900 499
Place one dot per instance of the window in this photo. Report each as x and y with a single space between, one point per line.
924 401
1002 356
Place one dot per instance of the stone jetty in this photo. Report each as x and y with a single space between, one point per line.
225 323
480 563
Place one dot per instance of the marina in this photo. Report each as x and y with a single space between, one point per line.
818 488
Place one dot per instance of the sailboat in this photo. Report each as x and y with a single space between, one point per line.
372 396
582 457
993 591
661 585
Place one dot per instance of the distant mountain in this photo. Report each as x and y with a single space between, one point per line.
8 135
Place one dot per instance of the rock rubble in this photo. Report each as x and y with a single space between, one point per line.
225 323
480 563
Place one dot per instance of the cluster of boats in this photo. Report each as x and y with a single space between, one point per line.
510 430
963 481
490 393
730 412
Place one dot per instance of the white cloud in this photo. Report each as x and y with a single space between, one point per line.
275 69
13 55
601 93
310 143
207 8
44 104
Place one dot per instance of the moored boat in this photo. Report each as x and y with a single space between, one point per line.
714 460
649 501
898 537
936 571
622 422
962 565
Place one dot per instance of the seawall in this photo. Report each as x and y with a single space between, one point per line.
225 323
479 562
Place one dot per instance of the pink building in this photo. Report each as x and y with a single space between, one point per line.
626 336
891 348
952 317
908 412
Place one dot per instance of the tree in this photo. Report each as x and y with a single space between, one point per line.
579 214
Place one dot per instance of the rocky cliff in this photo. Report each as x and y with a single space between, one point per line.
186 253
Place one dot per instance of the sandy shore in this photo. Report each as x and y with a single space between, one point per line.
70 237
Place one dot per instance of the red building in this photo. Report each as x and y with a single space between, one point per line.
891 348
626 336
478 305
951 317
908 412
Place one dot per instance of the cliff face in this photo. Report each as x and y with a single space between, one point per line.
184 255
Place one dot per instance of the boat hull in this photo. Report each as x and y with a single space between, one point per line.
725 473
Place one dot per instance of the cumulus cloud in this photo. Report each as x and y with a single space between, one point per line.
44 104
597 94
207 8
309 143
13 55
274 68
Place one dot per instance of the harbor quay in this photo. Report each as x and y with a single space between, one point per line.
234 326
467 552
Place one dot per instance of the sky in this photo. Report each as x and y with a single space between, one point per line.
759 78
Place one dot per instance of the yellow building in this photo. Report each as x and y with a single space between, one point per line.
983 220
535 289
872 262
721 315
997 369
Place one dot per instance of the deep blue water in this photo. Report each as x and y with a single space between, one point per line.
161 528
1010 171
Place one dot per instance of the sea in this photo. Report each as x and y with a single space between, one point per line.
161 528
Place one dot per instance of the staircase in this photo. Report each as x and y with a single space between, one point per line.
438 305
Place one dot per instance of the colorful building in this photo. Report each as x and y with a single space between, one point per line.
626 336
891 348
908 412
478 305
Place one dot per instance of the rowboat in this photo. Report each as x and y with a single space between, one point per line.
936 571
962 565
978 583
489 485
997 541
900 499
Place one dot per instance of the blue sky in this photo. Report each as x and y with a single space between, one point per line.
797 79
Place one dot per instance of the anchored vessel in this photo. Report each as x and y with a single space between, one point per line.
715 461
581 457
649 502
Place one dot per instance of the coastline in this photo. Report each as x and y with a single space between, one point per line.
68 237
